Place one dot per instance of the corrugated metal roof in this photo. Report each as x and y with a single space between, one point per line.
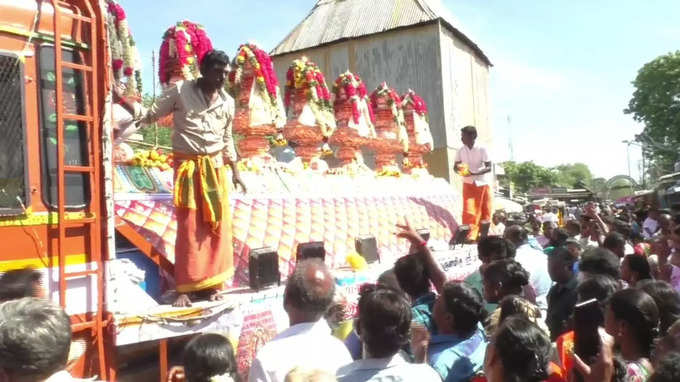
334 20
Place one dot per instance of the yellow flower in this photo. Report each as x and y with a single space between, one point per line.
240 59
190 60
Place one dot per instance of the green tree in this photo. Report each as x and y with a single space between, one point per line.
528 175
149 132
569 175
656 104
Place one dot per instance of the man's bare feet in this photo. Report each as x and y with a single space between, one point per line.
182 300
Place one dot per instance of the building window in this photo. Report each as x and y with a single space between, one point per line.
77 186
13 184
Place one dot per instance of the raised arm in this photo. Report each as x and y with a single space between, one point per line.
164 105
419 247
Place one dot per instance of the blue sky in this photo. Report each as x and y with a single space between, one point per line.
562 68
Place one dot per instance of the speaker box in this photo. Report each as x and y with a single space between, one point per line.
263 267
461 235
314 249
368 248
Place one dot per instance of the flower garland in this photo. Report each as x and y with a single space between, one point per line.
305 74
419 105
355 91
265 76
394 103
124 55
191 43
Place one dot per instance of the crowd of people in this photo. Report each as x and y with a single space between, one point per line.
511 320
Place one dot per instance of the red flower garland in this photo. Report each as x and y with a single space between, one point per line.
419 105
346 81
117 10
163 56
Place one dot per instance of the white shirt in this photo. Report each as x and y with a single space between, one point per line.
497 229
550 217
309 345
475 158
64 376
649 227
395 368
536 263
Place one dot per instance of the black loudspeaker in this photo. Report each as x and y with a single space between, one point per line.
368 248
314 249
263 268
484 229
424 233
461 235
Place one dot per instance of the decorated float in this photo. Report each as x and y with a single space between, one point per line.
260 115
354 117
290 203
310 113
390 127
418 129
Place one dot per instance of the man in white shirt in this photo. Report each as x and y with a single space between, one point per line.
498 226
383 325
533 261
651 224
308 341
35 337
472 162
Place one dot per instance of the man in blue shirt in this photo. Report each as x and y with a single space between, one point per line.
457 351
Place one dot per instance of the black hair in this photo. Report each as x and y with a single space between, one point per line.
600 261
614 241
508 273
515 305
562 254
600 288
389 279
575 226
640 265
465 304
523 349
306 295
495 248
412 275
639 310
559 237
19 283
208 355
516 234
213 57
469 130
667 300
668 369
384 320
35 337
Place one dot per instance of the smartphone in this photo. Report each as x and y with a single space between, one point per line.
587 319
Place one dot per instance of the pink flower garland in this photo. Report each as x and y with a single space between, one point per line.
267 69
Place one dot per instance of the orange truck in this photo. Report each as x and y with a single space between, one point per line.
54 91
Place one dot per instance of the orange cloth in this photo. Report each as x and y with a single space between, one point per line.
203 256
476 207
565 351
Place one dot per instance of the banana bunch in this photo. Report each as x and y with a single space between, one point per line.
153 158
